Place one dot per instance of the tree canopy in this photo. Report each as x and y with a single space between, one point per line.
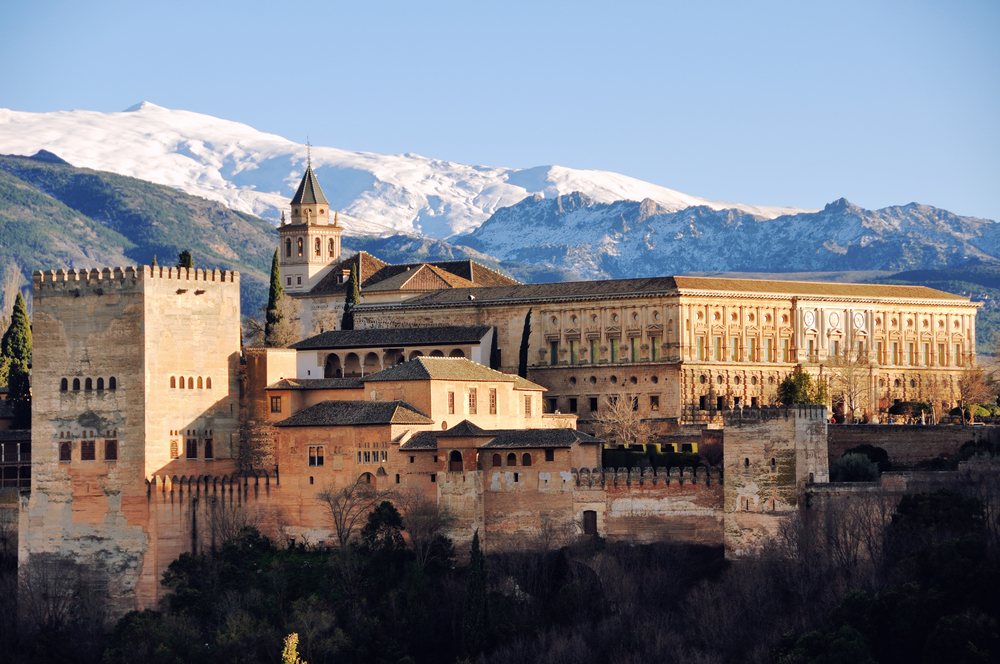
799 388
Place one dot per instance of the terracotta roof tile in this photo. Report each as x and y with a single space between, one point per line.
353 413
440 368
309 191
316 384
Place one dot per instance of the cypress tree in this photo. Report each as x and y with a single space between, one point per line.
495 351
19 394
522 361
154 261
16 343
273 315
185 259
475 609
353 298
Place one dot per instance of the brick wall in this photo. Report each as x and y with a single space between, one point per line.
907 444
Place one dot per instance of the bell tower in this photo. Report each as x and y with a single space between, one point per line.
309 243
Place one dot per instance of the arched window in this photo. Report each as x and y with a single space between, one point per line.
190 383
89 384
64 452
317 248
63 385
76 384
525 459
300 247
455 461
511 459
366 478
331 248
100 384
182 382
496 460
288 247
746 463
173 381
200 385
208 383
896 384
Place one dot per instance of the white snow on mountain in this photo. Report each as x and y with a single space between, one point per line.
256 172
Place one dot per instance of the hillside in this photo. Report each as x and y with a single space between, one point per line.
54 215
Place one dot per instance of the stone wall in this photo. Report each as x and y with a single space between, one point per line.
908 444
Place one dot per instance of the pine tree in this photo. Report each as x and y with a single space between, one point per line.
522 361
353 298
16 343
185 259
475 608
273 315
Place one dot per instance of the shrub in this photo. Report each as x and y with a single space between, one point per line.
876 455
910 408
853 468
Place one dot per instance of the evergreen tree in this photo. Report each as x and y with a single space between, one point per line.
522 361
353 298
475 608
16 343
495 351
273 315
19 394
185 259
798 388
154 261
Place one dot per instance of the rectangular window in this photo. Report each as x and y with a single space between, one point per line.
298 281
594 354
861 350
895 353
593 404
368 457
752 349
472 401
572 404
434 477
734 349
359 457
834 348
289 281
812 350
717 343
942 355
700 341
911 356
275 404
550 455
769 350
111 450
493 401
413 459
634 343
879 352
64 452
574 352
635 404
87 448
209 449
553 353
654 349
174 454
451 403
527 404
654 402
958 355
192 448
614 350
384 455
786 350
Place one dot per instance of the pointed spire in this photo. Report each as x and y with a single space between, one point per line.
334 218
309 159
282 217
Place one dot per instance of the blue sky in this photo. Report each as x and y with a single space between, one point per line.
794 103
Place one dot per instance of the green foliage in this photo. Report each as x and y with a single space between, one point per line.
273 315
495 350
16 343
798 389
475 607
353 299
19 385
876 455
853 468
912 408
522 357
382 534
184 259
978 411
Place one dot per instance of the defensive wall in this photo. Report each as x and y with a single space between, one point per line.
908 444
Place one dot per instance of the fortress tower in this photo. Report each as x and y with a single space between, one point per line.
309 244
135 375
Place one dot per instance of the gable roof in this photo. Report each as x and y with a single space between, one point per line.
440 368
352 413
424 277
402 336
317 384
501 439
368 267
309 191
525 384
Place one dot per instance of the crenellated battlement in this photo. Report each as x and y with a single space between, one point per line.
600 478
131 273
735 417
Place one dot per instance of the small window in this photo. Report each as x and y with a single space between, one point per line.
397 478
434 478
316 456
589 522
87 450
493 401
190 383
289 281
88 385
288 249
173 381
527 404
572 404
593 404
64 452
63 385
333 255
511 459
300 247
111 450
455 461
173 449
525 459
310 479
451 403
298 280
746 463
209 449
654 402
182 382
550 455
317 249
200 384
208 383
496 461
517 478
275 404
192 448
76 384
472 401
100 384
412 459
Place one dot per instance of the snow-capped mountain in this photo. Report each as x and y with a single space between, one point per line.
596 240
256 172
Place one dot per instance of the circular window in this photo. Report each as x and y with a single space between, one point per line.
702 379
615 318
940 323
572 380
733 316
633 380
614 380
896 383
635 316
654 380
716 316
784 318
555 321
925 323
834 319
955 325
753 380
736 380
574 319
750 317
892 323
770 380
720 380
656 315
881 383
909 323
594 318
699 315
593 380
444 427
767 318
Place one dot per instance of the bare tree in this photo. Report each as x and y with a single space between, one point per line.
619 419
350 504
226 519
284 333
937 392
974 388
850 380
424 521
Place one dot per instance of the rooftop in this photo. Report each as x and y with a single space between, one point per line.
316 384
440 368
501 438
353 413
404 336
309 191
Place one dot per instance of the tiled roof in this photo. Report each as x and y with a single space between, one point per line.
6 409
504 438
309 192
404 336
368 267
464 428
475 272
352 413
15 436
440 368
525 384
423 277
316 384
574 290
